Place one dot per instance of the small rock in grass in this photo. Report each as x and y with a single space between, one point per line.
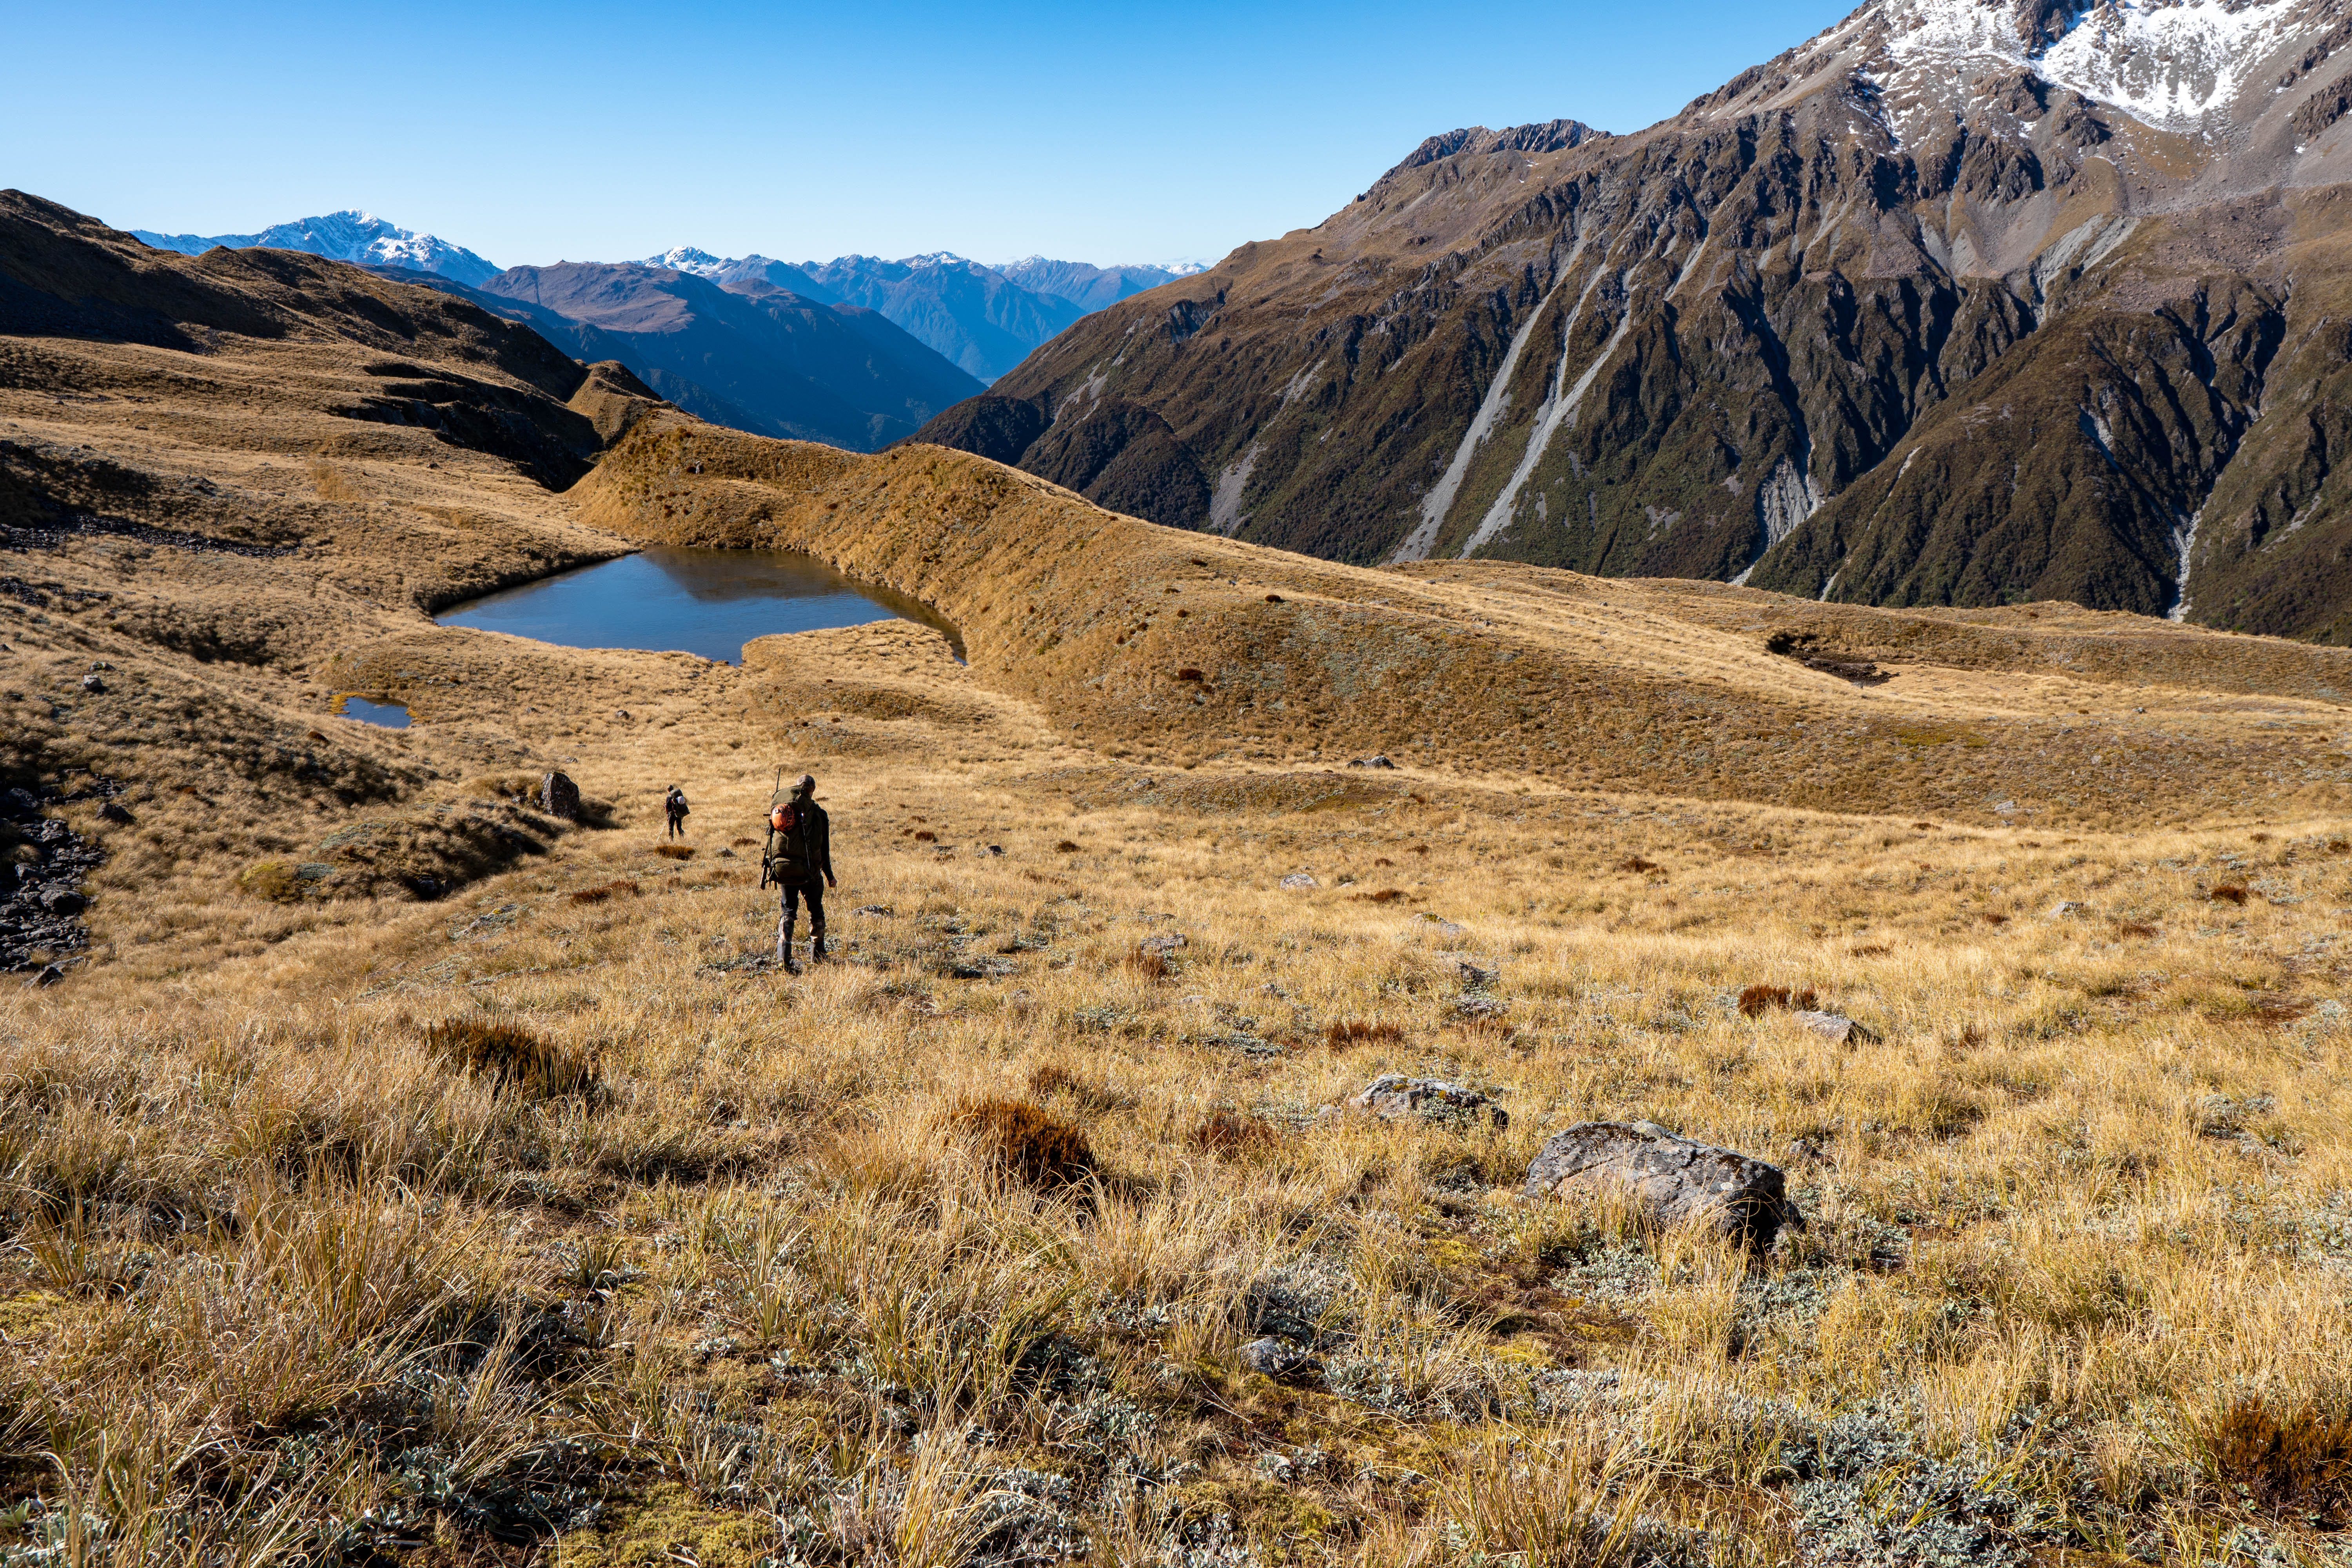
560 798
1837 1026
91 682
1478 976
1161 944
2062 910
880 911
1371 761
117 814
1674 1180
1299 881
63 901
1395 1094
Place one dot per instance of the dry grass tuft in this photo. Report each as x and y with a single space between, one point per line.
1637 865
1147 963
2284 1457
2229 893
516 1061
1343 1033
606 890
1385 896
674 851
1027 1141
1066 847
1757 1000
1227 1131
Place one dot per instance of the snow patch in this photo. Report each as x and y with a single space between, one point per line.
2171 63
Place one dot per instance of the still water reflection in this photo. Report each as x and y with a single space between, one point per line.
705 602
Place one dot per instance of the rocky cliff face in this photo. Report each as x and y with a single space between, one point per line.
1956 303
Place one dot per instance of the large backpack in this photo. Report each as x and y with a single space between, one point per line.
782 816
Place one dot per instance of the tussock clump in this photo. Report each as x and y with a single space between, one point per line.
1757 1000
506 786
2140 929
517 1061
1025 1141
1340 1034
2282 1456
1227 1131
1385 896
674 851
2229 893
1066 846
1094 1098
1637 865
1994 918
605 891
1147 962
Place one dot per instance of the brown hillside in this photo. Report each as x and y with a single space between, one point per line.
1202 650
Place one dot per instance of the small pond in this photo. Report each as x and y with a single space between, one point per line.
384 715
704 601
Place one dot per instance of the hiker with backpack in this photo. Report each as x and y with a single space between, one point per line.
675 808
799 859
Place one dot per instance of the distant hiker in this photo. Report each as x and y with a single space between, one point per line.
799 859
673 805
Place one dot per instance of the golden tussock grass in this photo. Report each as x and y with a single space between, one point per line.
534 1212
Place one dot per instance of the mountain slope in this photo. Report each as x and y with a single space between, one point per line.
1958 304
770 362
350 235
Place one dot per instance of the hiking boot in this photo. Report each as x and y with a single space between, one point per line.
816 947
785 948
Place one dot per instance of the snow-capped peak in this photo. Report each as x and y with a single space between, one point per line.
687 258
2166 62
351 235
2178 64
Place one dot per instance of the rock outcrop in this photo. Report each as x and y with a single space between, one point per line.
1672 1180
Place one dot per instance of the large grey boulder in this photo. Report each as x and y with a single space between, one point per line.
1672 1180
560 798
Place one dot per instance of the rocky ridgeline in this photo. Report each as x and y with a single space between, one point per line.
41 900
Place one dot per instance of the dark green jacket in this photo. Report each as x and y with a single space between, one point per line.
802 855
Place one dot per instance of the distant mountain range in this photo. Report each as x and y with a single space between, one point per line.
858 351
766 361
986 319
352 235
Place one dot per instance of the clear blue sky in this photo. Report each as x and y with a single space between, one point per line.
1106 131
